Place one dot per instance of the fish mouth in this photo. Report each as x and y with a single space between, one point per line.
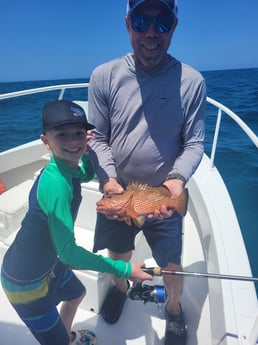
110 208
103 208
101 205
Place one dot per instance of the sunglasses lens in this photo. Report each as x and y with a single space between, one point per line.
161 23
164 23
140 23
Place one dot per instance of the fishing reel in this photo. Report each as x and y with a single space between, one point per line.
148 293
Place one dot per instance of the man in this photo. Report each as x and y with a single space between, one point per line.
148 110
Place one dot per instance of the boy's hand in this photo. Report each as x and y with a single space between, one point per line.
138 275
89 135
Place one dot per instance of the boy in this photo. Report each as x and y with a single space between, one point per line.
35 271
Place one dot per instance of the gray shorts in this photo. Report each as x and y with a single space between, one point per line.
163 236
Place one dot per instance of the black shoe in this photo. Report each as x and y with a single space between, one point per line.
113 305
175 329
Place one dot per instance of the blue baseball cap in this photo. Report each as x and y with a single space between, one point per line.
170 4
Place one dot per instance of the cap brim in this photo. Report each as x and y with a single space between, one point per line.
87 126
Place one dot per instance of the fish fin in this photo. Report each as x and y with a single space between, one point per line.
163 190
182 202
136 186
131 212
128 221
139 221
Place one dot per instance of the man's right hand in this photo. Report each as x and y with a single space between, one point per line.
111 186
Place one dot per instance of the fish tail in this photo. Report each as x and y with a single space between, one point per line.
181 203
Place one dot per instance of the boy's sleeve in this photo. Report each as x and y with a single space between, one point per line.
55 202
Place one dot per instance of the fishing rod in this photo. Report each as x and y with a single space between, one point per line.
158 294
158 271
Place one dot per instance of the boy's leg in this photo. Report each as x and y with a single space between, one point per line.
57 335
53 328
70 292
68 311
41 315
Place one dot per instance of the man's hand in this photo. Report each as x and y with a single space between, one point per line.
111 186
175 187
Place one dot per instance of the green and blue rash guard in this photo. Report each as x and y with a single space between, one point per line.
47 231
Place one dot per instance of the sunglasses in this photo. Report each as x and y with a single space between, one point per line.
162 24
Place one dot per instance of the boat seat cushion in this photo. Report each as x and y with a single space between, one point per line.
13 206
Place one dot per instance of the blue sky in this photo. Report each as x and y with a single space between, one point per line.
54 39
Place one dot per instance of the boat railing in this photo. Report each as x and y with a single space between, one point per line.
221 109
60 87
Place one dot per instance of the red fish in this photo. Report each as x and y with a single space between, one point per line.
139 200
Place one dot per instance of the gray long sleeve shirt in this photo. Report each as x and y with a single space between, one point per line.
148 124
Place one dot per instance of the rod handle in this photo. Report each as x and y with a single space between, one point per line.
153 271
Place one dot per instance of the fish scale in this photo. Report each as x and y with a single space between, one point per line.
154 202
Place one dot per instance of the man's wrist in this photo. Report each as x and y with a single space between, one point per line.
176 176
107 180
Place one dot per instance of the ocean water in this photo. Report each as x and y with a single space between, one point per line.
236 156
